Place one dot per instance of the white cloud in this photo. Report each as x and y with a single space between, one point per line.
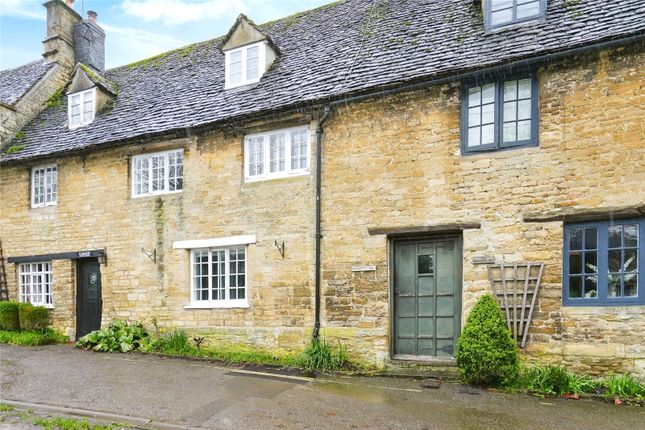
127 45
26 9
176 12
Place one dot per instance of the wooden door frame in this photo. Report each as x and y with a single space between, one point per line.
417 238
79 262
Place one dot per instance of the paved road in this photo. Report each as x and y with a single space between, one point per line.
202 395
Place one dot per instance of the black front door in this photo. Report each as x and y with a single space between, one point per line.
88 297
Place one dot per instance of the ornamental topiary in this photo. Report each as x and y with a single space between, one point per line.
9 316
32 317
486 352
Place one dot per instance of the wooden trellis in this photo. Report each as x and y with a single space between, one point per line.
515 287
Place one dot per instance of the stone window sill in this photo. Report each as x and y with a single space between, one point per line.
228 305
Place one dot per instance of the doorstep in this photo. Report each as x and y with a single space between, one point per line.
421 369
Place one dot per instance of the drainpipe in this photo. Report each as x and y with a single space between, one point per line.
319 135
524 63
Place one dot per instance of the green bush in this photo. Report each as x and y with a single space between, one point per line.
9 319
486 352
33 317
119 336
320 356
32 338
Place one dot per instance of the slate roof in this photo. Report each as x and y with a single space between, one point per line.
349 46
14 83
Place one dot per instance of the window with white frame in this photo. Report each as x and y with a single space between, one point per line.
219 277
158 173
276 154
80 108
498 13
36 282
44 181
245 65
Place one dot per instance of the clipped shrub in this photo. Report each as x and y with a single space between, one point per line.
486 352
9 319
33 317
118 336
320 356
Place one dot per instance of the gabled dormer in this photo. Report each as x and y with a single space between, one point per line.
248 53
502 13
87 94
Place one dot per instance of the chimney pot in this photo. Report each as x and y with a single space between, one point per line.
91 16
70 3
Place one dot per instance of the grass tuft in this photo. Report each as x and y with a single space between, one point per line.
623 387
6 408
59 423
320 356
32 337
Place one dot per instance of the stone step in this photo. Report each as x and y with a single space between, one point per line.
445 370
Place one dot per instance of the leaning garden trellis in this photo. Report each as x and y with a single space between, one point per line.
515 287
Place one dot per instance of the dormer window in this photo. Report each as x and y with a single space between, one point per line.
245 65
499 13
81 108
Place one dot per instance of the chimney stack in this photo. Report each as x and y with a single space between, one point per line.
59 44
89 43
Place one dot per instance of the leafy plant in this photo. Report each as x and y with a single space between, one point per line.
486 352
119 336
9 316
623 387
320 356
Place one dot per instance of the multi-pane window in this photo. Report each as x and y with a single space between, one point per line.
36 282
245 65
499 115
504 12
602 262
44 181
81 108
157 173
276 154
219 277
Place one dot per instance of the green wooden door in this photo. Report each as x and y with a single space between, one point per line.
427 298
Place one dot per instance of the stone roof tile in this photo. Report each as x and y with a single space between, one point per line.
327 53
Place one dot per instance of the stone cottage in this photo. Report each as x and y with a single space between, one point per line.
367 169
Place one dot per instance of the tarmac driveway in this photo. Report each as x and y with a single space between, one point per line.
203 395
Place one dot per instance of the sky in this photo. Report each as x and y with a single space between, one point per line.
136 29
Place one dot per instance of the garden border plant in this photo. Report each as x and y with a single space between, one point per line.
120 336
26 324
488 356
